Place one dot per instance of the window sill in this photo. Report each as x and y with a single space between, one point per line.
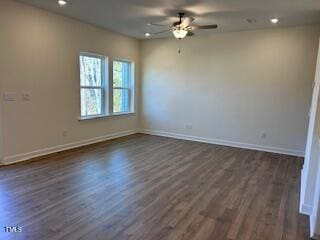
105 116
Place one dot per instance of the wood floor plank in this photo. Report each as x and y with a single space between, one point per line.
143 187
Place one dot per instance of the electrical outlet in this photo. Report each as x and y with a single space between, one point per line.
188 126
263 135
65 133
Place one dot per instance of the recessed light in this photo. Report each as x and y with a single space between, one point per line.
147 34
62 2
274 20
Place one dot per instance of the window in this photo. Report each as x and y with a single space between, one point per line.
103 96
122 86
92 85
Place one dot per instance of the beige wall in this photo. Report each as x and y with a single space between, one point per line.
232 87
39 54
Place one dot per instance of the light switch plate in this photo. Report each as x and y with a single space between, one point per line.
10 96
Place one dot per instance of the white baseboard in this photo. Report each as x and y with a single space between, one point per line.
225 143
59 148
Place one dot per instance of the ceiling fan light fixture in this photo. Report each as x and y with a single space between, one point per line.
182 28
180 33
62 2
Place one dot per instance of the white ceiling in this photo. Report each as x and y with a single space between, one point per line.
130 17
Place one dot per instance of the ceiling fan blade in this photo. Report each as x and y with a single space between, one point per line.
190 34
157 24
186 22
156 33
203 27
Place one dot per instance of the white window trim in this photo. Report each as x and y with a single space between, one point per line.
131 89
104 86
107 88
106 116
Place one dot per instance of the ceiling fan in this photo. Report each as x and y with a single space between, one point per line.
183 27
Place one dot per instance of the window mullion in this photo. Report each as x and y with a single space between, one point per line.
92 87
121 88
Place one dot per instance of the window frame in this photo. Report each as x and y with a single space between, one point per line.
107 87
103 87
130 89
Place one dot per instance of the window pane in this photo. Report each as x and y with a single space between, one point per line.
91 102
121 100
121 74
90 71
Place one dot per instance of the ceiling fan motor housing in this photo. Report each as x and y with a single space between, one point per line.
176 24
181 14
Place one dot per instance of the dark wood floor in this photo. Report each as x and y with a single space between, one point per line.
144 187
